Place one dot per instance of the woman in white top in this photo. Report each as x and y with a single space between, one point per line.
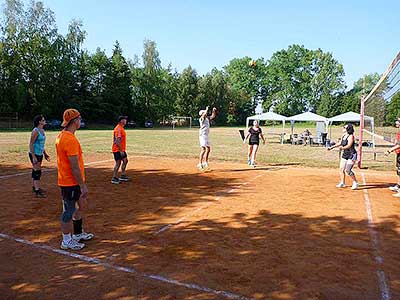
204 132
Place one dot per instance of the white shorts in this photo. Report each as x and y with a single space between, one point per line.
346 162
204 141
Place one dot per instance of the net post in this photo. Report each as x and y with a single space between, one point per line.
360 139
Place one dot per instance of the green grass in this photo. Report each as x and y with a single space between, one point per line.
183 143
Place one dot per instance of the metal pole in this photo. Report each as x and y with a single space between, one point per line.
360 140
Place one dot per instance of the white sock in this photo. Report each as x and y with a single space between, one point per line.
67 237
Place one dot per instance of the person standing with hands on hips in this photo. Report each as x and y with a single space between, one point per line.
204 133
71 180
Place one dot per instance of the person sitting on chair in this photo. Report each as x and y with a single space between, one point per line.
306 135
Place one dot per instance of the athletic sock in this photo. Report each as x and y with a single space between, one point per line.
77 226
66 237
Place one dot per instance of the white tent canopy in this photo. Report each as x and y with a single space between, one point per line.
352 117
308 117
269 116
349 117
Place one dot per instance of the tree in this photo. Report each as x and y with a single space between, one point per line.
327 84
393 109
246 86
352 98
117 82
301 80
147 85
188 91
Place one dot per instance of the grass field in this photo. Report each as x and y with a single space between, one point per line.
183 143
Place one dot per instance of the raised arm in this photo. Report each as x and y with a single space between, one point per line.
213 114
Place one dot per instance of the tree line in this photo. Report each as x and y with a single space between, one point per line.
43 71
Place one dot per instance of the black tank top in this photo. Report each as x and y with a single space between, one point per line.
255 135
347 153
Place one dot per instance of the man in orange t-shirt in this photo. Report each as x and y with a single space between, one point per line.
119 151
71 180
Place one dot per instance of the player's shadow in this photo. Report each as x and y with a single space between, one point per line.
247 246
371 186
249 169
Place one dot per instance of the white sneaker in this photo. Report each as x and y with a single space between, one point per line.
205 166
354 186
395 188
200 167
340 185
72 245
84 236
397 195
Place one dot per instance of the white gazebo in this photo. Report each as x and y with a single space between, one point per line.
320 121
269 116
352 117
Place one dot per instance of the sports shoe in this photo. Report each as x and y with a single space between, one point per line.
123 178
340 185
354 186
40 193
72 245
395 188
253 165
200 167
397 195
84 236
40 189
249 162
205 166
115 180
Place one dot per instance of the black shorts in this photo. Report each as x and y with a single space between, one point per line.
70 193
38 157
118 156
398 163
251 143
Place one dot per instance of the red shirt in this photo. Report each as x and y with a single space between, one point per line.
398 141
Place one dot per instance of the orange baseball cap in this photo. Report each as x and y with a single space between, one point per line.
69 114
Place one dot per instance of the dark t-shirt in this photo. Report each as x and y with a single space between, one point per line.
347 153
255 135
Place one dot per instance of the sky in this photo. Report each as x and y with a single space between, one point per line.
364 36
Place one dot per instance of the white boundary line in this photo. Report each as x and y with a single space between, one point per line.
383 286
24 173
218 198
53 169
154 277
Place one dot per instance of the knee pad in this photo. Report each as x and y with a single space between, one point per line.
36 174
68 211
349 170
66 216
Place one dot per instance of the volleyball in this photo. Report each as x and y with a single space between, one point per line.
252 63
